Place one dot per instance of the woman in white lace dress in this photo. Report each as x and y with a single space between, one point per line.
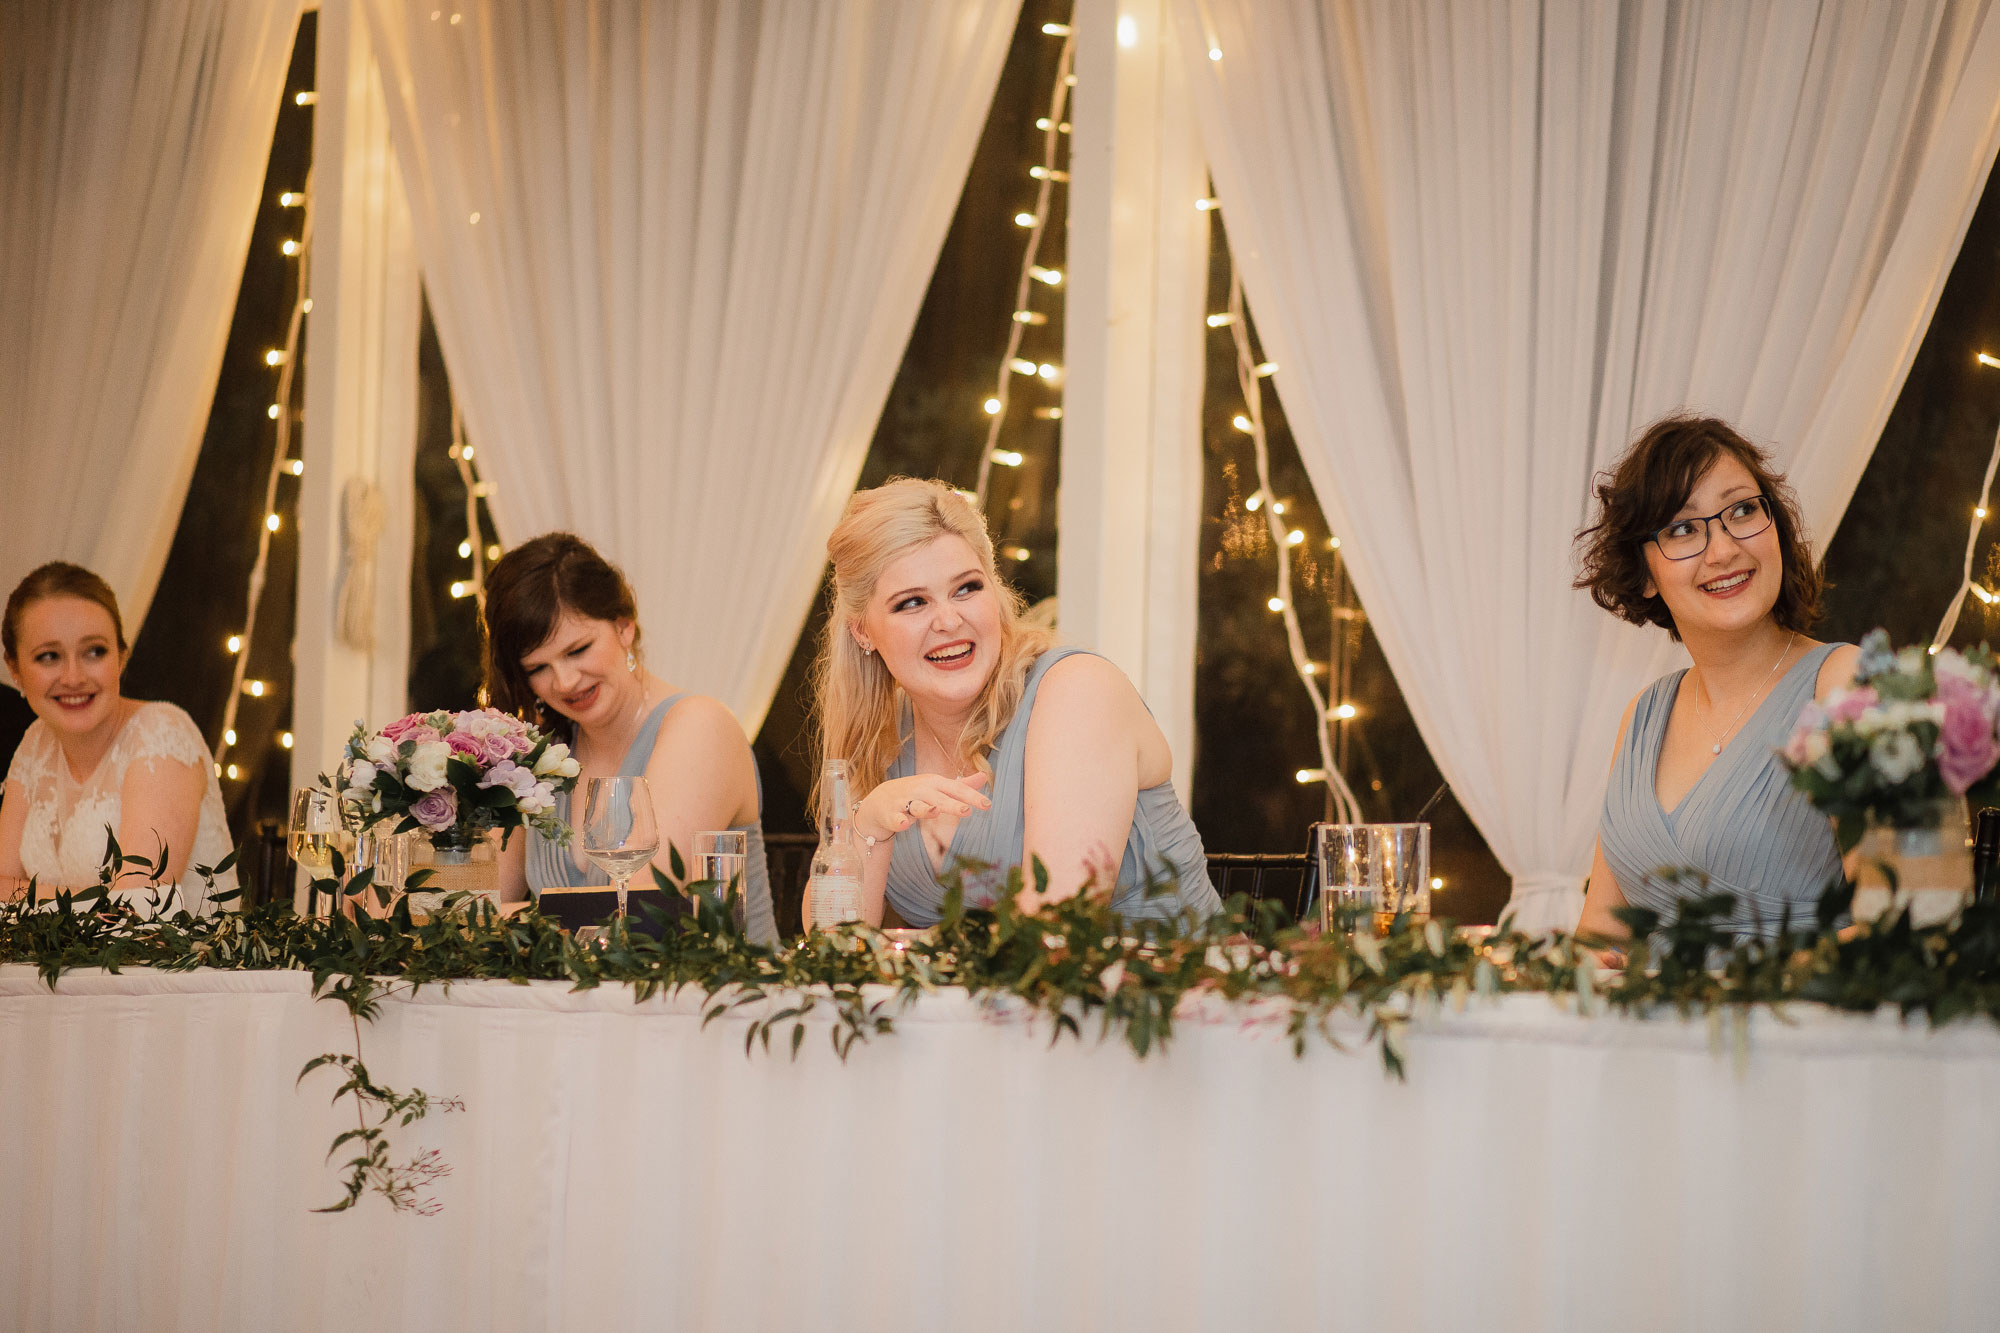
94 759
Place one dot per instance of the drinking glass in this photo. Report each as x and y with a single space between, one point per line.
317 832
619 834
385 853
723 855
1369 874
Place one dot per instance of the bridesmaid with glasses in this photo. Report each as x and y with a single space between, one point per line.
1697 534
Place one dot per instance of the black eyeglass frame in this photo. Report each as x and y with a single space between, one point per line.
1708 533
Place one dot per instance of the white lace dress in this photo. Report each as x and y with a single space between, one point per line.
63 842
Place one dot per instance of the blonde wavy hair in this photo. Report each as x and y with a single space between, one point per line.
859 702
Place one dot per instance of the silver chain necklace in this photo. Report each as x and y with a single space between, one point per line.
1723 735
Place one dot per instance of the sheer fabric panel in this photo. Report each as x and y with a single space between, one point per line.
674 253
133 139
1489 243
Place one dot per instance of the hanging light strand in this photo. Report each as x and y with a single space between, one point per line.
1046 178
280 466
1346 809
1965 585
462 456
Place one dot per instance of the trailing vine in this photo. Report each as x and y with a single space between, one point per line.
1074 963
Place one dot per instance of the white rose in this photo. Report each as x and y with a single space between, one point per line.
381 752
360 779
427 766
552 760
1895 755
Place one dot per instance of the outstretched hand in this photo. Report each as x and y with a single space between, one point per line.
900 802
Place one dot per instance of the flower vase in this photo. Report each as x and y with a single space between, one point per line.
1931 862
458 864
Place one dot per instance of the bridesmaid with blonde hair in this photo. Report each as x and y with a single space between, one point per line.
972 741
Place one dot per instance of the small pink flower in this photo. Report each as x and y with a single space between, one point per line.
1849 705
1811 721
1967 739
403 726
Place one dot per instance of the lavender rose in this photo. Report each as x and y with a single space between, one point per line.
437 810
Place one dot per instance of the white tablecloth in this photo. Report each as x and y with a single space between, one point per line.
616 1166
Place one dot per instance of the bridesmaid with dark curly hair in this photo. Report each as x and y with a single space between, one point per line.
563 650
1699 535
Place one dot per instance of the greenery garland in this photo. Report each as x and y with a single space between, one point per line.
1074 961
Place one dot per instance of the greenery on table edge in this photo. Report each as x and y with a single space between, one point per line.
1073 962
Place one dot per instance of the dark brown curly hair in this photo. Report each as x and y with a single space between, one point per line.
527 591
1647 488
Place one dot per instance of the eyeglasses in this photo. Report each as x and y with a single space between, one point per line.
1686 538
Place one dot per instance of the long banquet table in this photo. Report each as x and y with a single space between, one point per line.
616 1165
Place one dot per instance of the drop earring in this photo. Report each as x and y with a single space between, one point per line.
631 661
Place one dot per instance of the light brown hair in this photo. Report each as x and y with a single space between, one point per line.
58 578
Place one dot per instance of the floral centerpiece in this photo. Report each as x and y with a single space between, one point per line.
1914 733
456 776
1895 756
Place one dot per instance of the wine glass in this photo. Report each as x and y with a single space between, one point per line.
722 855
317 832
619 833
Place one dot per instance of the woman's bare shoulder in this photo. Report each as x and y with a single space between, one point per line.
1837 671
1085 680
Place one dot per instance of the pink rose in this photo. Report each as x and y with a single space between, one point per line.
496 749
438 810
467 746
403 726
1811 720
1970 747
1849 705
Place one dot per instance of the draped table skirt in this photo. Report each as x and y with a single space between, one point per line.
616 1165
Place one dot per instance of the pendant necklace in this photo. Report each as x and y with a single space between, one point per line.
1720 737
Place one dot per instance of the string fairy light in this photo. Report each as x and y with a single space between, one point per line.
285 360
1965 583
1249 380
474 546
1046 176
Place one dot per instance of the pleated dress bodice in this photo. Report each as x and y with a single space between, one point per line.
1162 846
551 866
1742 823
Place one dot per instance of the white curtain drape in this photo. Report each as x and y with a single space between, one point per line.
1487 243
674 254
133 138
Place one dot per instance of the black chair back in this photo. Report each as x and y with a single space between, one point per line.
788 857
1283 876
264 869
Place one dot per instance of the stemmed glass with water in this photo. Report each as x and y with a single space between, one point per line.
619 832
